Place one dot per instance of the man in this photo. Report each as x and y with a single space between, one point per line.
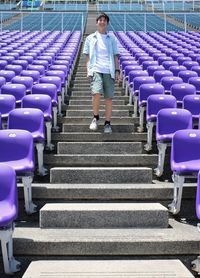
102 69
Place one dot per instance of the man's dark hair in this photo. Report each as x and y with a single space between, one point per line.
103 15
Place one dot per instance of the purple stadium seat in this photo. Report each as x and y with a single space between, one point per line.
126 71
8 213
176 69
163 59
185 162
56 81
148 63
145 91
168 64
197 69
7 74
179 91
43 63
168 81
17 151
159 74
195 81
190 64
50 90
154 104
7 104
152 69
183 59
3 64
27 81
132 74
60 74
2 81
39 68
17 90
8 58
187 74
27 58
32 120
137 82
192 104
42 102
31 73
16 68
22 63
169 120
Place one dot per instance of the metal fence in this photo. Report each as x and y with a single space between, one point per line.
137 21
52 21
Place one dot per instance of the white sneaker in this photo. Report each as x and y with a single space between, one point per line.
107 129
94 124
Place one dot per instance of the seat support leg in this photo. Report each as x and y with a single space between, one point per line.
55 111
175 206
148 146
161 158
40 153
141 122
30 207
10 264
49 146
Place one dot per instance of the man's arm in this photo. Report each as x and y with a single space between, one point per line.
87 63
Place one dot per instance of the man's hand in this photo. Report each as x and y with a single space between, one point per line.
89 77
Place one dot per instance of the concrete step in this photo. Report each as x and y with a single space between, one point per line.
101 160
108 268
88 102
99 148
85 127
99 136
88 97
100 175
87 120
87 113
102 106
180 239
85 87
106 215
84 92
156 191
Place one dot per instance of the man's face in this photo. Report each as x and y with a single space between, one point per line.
102 24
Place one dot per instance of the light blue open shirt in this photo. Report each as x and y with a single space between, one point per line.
90 49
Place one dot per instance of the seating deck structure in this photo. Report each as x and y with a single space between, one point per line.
101 209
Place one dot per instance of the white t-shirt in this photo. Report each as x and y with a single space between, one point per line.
102 57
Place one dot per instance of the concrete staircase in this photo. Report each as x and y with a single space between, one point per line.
102 214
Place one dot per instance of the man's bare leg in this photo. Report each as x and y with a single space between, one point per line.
95 105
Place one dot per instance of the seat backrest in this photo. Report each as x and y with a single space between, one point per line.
47 89
185 147
8 193
169 120
30 119
181 90
157 102
7 103
192 104
16 145
40 101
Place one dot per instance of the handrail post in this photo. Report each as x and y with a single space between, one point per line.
21 21
185 23
145 22
62 27
165 23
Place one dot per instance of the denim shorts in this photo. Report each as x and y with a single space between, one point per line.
103 83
